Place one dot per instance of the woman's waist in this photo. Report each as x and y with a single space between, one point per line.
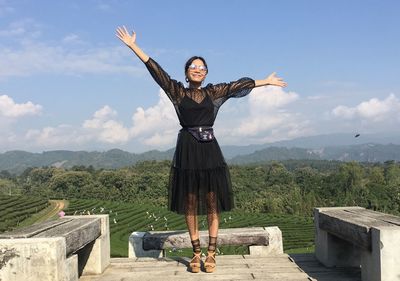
198 128
200 133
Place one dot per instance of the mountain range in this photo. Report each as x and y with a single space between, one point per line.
342 147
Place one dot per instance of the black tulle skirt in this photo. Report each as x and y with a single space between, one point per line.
198 170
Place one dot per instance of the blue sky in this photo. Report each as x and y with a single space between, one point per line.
66 81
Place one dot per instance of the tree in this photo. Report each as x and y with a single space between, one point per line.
392 173
308 179
350 176
276 173
70 183
8 187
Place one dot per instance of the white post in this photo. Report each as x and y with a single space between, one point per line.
136 247
274 247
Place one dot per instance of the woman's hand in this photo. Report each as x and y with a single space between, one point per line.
275 81
130 41
124 36
271 80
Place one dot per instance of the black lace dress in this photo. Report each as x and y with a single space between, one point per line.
198 168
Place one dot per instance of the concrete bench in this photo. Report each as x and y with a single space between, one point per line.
59 250
262 241
354 237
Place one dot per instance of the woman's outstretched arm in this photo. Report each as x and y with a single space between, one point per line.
171 87
271 80
130 41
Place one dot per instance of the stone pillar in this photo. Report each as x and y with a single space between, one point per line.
36 259
332 251
382 263
136 247
275 245
95 257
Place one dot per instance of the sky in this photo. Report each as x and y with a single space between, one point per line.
68 83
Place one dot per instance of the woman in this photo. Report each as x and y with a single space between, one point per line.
199 178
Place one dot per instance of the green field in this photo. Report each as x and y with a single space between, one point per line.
16 209
298 232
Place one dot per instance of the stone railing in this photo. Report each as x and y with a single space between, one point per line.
261 241
354 237
59 250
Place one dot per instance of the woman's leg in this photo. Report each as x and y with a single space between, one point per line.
193 227
213 225
212 215
191 216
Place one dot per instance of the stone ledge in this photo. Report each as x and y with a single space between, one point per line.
60 250
151 244
357 237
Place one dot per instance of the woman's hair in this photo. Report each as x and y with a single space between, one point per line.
189 62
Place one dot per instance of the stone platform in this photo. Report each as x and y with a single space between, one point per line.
235 267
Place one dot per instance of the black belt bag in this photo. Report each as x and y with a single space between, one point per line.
202 134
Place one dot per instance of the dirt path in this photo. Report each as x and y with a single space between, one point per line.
58 206
52 211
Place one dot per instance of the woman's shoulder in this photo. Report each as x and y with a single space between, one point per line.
209 86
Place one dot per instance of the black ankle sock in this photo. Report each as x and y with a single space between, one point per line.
196 246
212 244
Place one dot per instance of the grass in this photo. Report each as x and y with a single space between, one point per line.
297 231
18 211
14 210
49 213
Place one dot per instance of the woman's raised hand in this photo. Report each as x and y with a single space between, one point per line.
124 36
130 41
275 81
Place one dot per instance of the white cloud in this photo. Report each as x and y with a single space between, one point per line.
38 58
264 118
264 98
9 108
105 128
100 117
161 140
157 125
261 119
72 39
373 110
55 137
22 29
23 54
154 127
345 112
5 8
7 137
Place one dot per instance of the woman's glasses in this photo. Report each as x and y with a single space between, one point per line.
202 68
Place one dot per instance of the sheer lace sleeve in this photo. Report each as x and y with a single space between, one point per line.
234 89
173 88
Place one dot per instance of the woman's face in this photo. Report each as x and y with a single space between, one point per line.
197 71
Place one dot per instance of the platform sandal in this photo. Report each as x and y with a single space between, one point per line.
210 262
195 263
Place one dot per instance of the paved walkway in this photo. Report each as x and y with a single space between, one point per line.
317 271
235 267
